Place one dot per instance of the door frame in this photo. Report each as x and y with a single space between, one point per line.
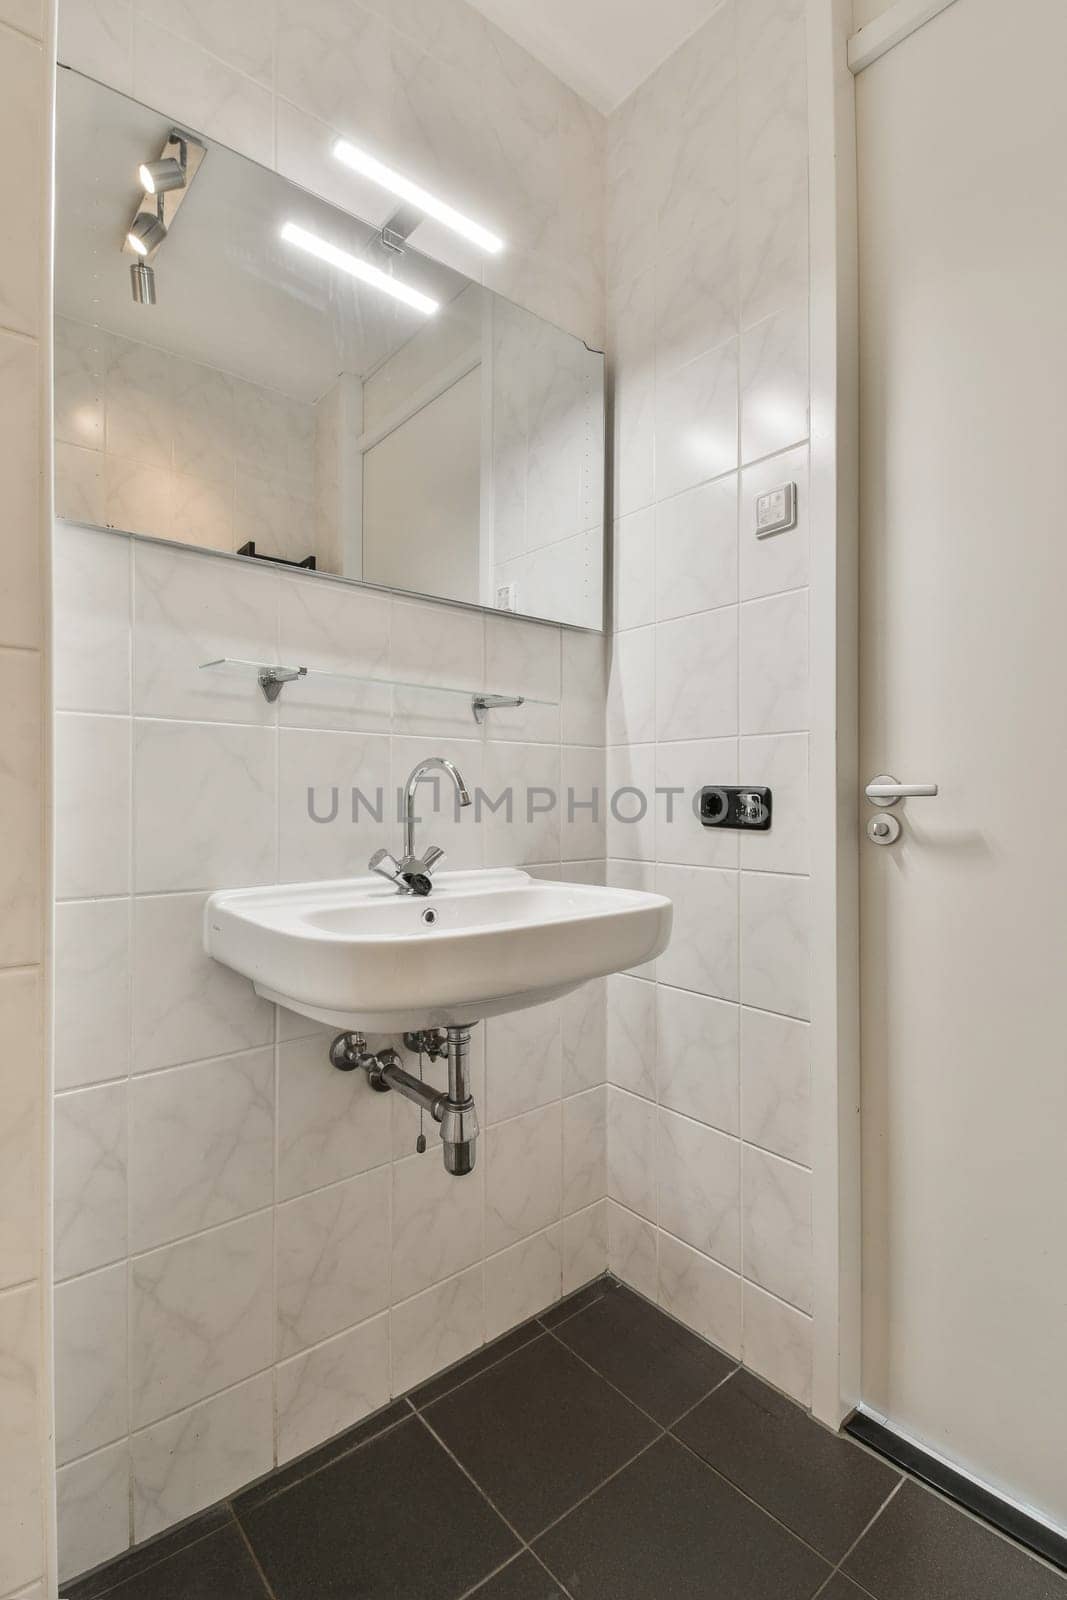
834 681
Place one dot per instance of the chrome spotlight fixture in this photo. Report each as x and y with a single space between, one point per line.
147 231
159 177
143 283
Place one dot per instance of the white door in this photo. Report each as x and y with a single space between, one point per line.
962 134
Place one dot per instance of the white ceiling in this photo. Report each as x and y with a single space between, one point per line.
602 48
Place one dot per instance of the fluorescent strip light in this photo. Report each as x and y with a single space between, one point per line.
362 163
358 269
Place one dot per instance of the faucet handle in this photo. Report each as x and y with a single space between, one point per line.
388 867
431 857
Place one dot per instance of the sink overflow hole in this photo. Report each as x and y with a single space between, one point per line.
429 917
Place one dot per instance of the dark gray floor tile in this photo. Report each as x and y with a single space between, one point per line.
576 1302
658 1364
396 1518
842 1588
538 1432
819 1484
668 1526
216 1568
150 1554
486 1357
315 1460
921 1548
524 1579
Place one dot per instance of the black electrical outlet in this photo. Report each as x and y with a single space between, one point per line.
748 808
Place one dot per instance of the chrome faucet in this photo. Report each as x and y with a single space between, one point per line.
412 874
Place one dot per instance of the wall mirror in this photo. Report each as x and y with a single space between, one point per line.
241 376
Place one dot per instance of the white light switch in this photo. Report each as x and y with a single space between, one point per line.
507 597
776 511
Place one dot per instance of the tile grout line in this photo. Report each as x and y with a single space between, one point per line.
864 1531
255 1559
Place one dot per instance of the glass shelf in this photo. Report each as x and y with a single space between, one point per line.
272 678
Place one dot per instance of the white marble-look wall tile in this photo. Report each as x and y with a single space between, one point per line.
696 549
21 1387
631 1037
92 801
204 798
583 1024
779 761
779 561
701 1293
696 676
332 627
775 943
335 803
437 1328
696 293
23 129
201 1146
92 991
702 954
21 601
524 1061
584 1150
523 1280
634 570
91 1362
631 700
776 1084
633 1249
200 1316
631 314
90 1178
632 1152
630 802
186 613
774 384
331 1387
21 1107
333 1260
436 1222
190 1460
696 422
776 1226
186 1007
583 804
523 1176
584 687
532 773
96 37
777 1343
699 1174
683 769
585 1246
20 804
93 1509
774 664
331 1125
698 1057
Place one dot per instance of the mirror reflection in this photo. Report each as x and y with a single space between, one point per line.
245 367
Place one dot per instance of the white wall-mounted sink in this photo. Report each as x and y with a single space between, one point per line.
356 954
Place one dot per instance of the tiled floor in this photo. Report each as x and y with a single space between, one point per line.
601 1452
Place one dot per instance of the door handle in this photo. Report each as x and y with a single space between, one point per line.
886 791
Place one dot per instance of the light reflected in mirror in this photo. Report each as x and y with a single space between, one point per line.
261 390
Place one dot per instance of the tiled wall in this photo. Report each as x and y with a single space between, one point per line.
154 444
435 90
25 1269
249 1255
708 1054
